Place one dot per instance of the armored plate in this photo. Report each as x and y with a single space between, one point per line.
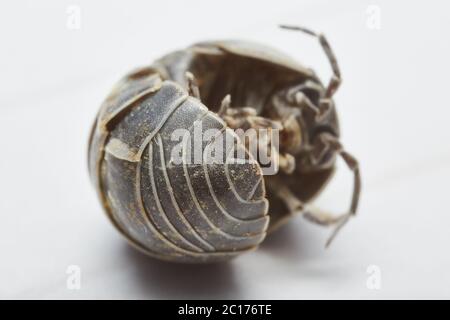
188 212
256 51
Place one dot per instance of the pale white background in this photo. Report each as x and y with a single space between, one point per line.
394 110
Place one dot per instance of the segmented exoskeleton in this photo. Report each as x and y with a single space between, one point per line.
203 212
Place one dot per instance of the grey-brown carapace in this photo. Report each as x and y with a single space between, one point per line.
210 211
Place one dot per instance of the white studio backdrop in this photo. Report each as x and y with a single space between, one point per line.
59 59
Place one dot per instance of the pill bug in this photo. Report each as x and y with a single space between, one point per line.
206 212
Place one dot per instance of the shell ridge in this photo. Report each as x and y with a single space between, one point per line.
171 108
174 201
216 200
199 207
236 194
161 210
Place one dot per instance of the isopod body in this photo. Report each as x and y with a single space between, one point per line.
212 211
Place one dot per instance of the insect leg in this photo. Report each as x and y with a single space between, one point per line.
284 161
331 143
224 105
192 85
336 78
247 118
293 204
302 100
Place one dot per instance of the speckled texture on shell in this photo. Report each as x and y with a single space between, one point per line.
189 213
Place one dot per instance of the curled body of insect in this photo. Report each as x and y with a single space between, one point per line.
209 211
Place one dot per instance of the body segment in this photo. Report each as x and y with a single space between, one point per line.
170 211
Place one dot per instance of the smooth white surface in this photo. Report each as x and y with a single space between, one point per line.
394 111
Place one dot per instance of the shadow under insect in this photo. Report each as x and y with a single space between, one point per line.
165 280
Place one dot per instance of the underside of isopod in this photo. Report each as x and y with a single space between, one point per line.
209 210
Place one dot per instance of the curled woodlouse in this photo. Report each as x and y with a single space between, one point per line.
188 211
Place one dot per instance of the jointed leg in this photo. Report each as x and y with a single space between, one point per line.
247 118
292 203
192 85
352 164
329 142
225 104
302 100
336 79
